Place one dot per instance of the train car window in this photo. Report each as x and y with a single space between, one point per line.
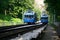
30 16
26 15
44 18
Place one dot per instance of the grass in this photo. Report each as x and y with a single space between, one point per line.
54 26
58 18
8 20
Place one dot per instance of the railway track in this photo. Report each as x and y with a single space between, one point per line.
7 31
30 35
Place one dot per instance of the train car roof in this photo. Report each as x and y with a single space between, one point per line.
30 13
44 15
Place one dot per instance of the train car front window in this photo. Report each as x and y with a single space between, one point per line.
44 18
26 15
29 16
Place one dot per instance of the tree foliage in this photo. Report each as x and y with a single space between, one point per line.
53 6
15 7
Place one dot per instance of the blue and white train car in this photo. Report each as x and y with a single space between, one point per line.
29 17
44 18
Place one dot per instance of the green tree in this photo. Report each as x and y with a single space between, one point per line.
53 7
15 8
